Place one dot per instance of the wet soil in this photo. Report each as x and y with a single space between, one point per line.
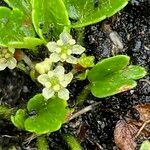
95 128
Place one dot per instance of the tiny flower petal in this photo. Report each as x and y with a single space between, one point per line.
11 63
72 60
52 46
47 84
67 79
69 52
65 37
54 57
3 64
12 50
77 49
50 74
59 71
48 93
60 42
39 68
3 61
43 79
63 94
72 42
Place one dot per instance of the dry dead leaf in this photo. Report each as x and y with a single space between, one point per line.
144 111
123 136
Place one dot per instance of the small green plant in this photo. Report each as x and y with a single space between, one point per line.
114 75
29 23
45 116
21 24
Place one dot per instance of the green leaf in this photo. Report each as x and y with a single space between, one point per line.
134 72
50 114
23 5
19 118
28 42
49 18
107 67
145 145
36 103
111 76
16 31
82 76
86 61
87 12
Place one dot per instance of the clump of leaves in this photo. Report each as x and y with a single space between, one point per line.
16 26
21 24
114 75
43 115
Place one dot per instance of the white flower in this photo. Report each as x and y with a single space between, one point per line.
56 81
44 66
63 49
7 59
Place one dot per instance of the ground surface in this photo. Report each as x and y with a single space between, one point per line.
95 128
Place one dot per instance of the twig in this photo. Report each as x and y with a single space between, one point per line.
84 110
144 80
142 127
29 139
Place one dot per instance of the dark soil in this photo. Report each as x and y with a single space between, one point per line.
95 128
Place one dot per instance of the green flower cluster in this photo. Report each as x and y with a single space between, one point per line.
7 59
55 80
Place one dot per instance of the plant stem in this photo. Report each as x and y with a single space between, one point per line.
145 80
80 35
42 143
72 142
83 95
84 110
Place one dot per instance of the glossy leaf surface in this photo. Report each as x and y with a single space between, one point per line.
87 12
49 17
49 115
16 31
19 118
23 5
112 75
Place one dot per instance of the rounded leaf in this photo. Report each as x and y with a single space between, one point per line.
107 67
49 115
